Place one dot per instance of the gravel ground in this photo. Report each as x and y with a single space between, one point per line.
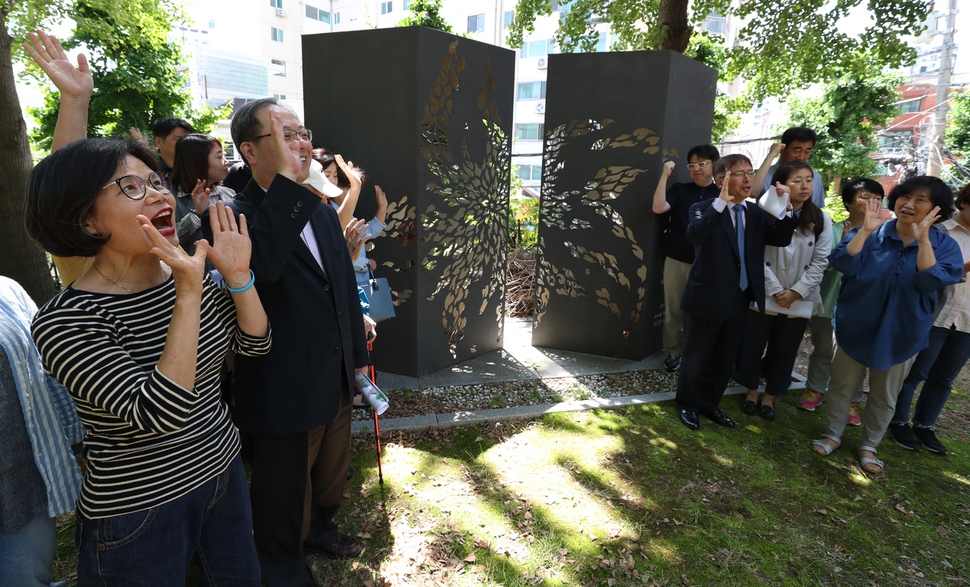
466 398
444 400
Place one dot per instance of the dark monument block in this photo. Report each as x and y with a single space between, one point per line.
428 115
612 119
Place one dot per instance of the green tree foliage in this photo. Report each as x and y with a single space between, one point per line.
847 116
958 128
783 45
21 260
426 13
710 51
135 68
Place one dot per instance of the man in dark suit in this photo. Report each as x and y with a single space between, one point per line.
727 275
293 405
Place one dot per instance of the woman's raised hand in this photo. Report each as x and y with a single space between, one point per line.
231 248
922 230
186 270
355 238
873 221
71 82
353 176
200 195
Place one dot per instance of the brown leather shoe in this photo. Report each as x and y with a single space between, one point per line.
343 547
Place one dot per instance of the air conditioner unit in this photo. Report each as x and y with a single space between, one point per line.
542 63
280 12
540 107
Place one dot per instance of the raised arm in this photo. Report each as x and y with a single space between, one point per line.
869 225
230 253
703 216
346 210
660 204
75 85
761 177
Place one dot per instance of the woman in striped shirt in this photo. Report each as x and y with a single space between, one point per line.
138 341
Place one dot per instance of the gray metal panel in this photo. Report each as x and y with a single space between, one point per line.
428 115
611 121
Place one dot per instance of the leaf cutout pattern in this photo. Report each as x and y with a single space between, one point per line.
591 208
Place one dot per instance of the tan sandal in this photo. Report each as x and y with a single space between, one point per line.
871 466
826 448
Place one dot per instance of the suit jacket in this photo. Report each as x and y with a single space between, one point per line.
715 275
318 334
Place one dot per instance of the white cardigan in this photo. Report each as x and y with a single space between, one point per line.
800 266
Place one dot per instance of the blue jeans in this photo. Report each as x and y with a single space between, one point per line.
937 365
26 555
153 548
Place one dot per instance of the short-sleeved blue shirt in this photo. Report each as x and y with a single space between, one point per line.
885 309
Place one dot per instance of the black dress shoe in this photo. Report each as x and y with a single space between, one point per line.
748 407
342 547
768 413
689 418
719 418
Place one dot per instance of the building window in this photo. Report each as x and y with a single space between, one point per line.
532 91
279 67
529 172
476 23
407 5
314 13
531 131
336 18
714 23
507 18
387 7
536 48
910 106
280 96
276 34
276 3
894 140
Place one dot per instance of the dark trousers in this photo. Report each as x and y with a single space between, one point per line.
297 484
782 336
710 350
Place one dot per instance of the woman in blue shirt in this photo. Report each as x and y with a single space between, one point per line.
892 272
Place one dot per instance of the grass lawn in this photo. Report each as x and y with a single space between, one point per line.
632 497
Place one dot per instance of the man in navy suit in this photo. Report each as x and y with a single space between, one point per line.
293 405
727 275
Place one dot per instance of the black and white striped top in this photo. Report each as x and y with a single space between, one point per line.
149 441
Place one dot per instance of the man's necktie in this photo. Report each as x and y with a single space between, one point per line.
739 224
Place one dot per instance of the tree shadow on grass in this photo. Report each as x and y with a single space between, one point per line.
582 498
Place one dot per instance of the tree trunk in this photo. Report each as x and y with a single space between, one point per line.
677 31
20 258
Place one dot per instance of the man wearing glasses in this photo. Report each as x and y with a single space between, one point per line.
729 235
293 405
675 203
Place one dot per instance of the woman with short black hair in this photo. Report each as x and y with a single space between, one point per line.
949 349
891 274
138 341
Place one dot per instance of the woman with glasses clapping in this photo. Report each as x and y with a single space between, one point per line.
138 341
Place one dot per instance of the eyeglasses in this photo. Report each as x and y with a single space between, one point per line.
701 165
288 135
744 173
135 187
